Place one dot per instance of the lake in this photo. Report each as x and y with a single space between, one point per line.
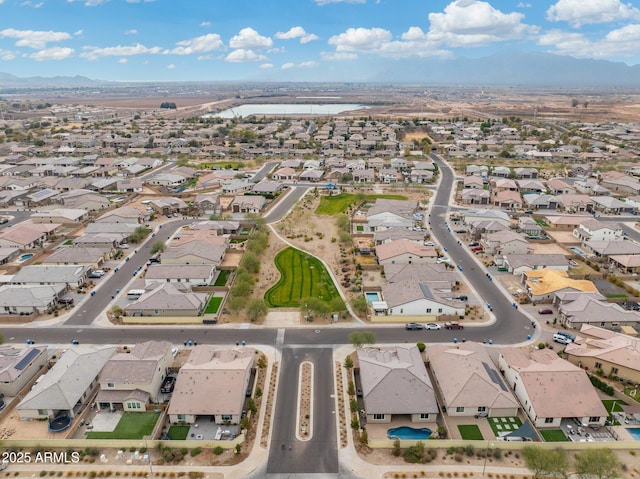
287 109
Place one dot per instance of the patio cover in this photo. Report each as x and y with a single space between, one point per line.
525 431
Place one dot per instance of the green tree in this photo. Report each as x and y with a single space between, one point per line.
251 262
360 304
158 247
545 462
599 463
364 437
257 309
245 423
397 451
421 347
348 362
360 338
235 304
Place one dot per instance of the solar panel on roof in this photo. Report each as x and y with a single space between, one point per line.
495 377
24 362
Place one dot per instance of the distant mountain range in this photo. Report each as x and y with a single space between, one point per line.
505 68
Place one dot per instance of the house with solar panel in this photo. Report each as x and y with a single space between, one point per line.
18 367
469 382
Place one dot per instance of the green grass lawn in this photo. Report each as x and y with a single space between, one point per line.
302 276
500 425
541 222
222 278
132 425
608 404
214 305
332 205
178 433
553 435
470 432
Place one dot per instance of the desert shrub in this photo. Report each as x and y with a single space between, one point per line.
218 450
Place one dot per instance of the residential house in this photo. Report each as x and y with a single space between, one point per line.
574 203
100 240
83 199
566 223
505 242
392 234
405 251
168 300
610 205
18 367
507 199
248 204
169 180
594 230
211 386
130 380
627 263
69 386
604 249
473 182
386 214
474 215
364 176
614 354
526 173
129 186
542 285
468 381
389 175
285 174
61 216
236 186
577 309
168 205
93 257
537 201
501 172
560 186
395 383
474 170
620 183
425 299
472 196
540 380
267 188
72 276
207 204
517 264
23 236
195 252
124 214
194 275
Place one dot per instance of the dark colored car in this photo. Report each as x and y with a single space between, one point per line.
453 325
168 385
545 311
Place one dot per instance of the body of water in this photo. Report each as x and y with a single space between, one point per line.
410 433
635 432
578 251
372 296
26 256
287 109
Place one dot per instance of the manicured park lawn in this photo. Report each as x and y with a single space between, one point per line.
132 425
301 276
178 433
608 404
553 435
470 432
214 305
332 205
501 425
221 280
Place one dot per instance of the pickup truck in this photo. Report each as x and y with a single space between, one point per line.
453 325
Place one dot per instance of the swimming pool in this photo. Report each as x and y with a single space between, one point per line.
405 432
635 432
372 296
578 251
25 257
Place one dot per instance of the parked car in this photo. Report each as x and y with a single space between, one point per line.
477 249
98 273
567 335
124 246
65 301
559 338
462 297
443 259
473 243
461 232
75 341
545 311
432 326
3 221
528 212
453 325
481 414
429 243
168 385
413 326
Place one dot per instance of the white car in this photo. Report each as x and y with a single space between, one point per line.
443 260
429 243
432 326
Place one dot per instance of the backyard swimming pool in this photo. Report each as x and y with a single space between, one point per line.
372 296
25 257
635 432
578 251
410 433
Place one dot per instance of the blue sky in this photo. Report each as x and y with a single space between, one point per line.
296 40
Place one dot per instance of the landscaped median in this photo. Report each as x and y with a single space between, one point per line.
302 277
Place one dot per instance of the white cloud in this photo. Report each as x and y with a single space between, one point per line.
205 24
90 3
243 55
93 53
53 53
338 56
523 5
133 31
308 64
288 66
622 42
249 39
170 66
138 1
28 3
123 61
474 23
34 39
77 33
326 2
202 44
582 12
360 39
6 55
266 66
297 32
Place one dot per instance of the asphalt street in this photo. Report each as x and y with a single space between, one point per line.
86 312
